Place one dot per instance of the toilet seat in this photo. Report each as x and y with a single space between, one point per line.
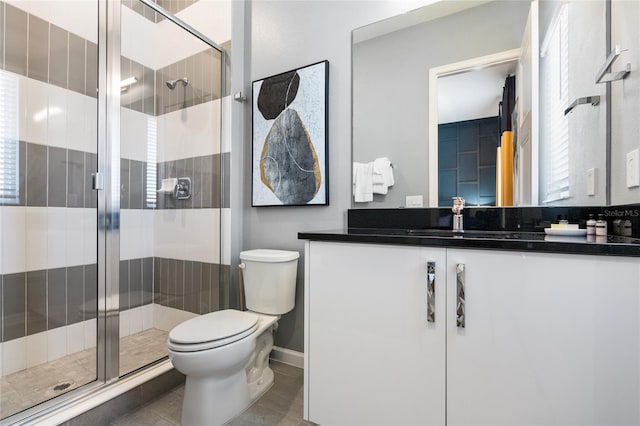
212 330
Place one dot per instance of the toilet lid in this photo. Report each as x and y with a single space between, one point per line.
212 330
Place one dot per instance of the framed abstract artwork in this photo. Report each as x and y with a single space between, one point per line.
289 140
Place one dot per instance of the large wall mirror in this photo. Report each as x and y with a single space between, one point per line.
429 96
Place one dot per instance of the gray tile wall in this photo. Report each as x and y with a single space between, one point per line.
14 299
15 40
59 177
43 51
188 285
1 37
54 177
36 301
136 283
173 6
140 8
139 96
77 62
207 174
40 50
38 55
59 52
203 71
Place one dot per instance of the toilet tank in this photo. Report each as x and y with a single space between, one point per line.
270 280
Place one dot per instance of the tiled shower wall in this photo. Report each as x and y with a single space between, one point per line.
42 51
48 223
173 6
187 285
46 299
48 269
201 88
45 52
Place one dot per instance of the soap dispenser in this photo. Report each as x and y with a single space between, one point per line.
591 225
601 226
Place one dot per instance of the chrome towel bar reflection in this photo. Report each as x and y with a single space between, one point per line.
593 100
603 77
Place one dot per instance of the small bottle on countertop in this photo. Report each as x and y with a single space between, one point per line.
601 226
617 227
591 225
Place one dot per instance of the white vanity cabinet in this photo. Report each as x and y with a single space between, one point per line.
372 358
548 339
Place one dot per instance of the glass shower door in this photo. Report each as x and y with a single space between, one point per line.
170 137
48 210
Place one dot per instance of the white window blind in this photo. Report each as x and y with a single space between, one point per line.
9 143
555 100
152 159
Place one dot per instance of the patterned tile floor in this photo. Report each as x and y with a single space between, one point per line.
281 405
34 385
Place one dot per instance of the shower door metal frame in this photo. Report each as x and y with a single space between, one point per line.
108 343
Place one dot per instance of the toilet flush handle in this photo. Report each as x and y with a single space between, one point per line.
242 301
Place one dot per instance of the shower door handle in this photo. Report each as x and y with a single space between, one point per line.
431 291
97 181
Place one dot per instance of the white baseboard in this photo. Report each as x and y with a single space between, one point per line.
287 356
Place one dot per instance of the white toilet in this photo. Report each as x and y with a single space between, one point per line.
225 354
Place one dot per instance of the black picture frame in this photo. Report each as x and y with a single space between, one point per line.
290 143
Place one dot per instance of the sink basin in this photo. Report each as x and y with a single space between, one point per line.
464 234
448 233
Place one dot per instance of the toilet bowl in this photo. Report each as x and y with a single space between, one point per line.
225 354
215 351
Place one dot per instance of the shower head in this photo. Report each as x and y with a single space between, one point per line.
171 84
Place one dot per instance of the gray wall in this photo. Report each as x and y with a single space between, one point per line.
586 124
625 99
283 35
391 87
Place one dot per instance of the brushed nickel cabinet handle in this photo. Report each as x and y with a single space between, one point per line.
461 317
431 291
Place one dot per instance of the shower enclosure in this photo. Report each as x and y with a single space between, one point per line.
111 191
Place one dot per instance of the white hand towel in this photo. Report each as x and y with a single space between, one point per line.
382 167
380 188
382 175
363 182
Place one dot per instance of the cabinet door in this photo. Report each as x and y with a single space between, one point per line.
548 340
373 358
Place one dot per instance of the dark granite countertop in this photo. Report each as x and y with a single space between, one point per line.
487 240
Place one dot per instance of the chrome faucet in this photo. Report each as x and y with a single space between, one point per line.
458 206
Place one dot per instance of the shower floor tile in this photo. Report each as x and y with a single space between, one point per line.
26 388
281 405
